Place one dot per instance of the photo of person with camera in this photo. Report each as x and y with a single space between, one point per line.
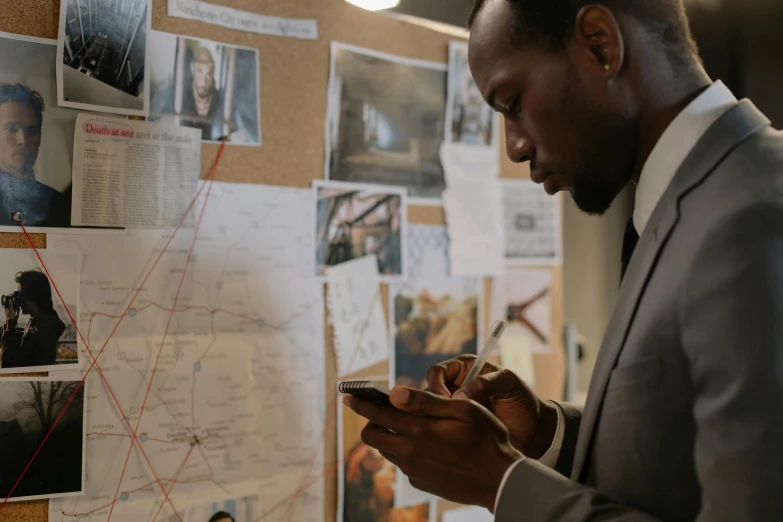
36 343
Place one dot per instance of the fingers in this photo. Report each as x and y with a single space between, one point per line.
428 404
449 375
380 414
495 385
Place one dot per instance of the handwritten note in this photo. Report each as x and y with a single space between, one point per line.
242 20
356 314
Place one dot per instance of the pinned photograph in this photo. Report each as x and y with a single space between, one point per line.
242 509
434 317
29 410
354 221
523 298
37 333
36 136
206 85
102 49
366 480
469 120
385 119
532 224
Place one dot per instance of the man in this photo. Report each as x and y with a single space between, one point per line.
684 416
36 345
21 120
203 101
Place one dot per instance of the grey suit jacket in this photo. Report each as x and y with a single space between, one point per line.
684 415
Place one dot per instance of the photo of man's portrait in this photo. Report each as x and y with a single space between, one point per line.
36 136
206 85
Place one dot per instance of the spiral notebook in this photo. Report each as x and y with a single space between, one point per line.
368 390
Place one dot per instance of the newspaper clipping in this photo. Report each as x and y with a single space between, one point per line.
133 174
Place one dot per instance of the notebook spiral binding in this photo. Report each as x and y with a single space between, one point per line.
345 387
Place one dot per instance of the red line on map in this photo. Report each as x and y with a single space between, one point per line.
94 363
163 341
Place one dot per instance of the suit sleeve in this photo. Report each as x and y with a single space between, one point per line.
571 416
731 317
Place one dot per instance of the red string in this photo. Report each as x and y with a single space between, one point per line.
305 482
160 351
210 179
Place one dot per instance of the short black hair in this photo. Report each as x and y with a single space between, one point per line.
550 23
20 93
35 287
220 515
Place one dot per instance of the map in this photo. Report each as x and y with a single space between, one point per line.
209 350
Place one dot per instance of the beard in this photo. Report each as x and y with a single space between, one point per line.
603 170
594 195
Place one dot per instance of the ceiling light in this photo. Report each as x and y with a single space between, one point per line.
374 5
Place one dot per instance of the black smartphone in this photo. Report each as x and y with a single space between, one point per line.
367 390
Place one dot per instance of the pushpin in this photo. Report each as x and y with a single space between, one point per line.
16 216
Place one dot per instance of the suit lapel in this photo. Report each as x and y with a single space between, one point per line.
735 126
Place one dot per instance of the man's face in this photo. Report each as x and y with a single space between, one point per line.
20 138
203 78
559 113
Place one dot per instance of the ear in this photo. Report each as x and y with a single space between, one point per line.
598 33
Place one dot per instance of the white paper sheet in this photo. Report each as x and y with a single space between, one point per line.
356 314
523 298
243 20
468 514
533 225
238 390
472 204
133 174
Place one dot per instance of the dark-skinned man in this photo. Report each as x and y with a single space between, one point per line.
684 415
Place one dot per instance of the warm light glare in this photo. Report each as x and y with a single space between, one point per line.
374 5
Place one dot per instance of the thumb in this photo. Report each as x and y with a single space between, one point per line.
495 385
427 404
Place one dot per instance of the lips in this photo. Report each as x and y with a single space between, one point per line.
539 176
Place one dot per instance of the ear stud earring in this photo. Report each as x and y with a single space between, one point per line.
607 67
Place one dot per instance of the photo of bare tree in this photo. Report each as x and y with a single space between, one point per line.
41 414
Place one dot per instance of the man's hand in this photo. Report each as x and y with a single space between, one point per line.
452 448
531 422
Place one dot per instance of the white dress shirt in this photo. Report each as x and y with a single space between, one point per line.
674 145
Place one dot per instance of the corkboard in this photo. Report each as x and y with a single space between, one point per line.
294 75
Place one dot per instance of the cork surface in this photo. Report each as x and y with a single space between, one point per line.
294 76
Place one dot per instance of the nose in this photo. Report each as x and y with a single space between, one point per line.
20 137
518 148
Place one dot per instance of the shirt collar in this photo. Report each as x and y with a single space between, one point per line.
673 147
